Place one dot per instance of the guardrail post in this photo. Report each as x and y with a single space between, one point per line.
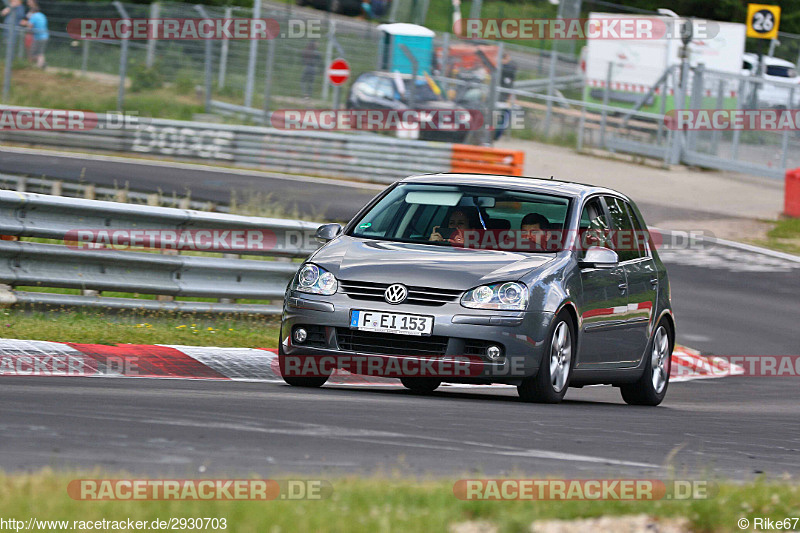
22 181
581 125
123 60
223 54
56 188
155 10
251 60
89 191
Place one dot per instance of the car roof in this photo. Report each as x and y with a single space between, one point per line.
517 183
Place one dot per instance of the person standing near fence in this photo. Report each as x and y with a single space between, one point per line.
38 23
311 59
13 13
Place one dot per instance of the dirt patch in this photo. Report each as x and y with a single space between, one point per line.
732 229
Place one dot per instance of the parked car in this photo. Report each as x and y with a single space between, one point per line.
347 7
778 71
410 278
388 91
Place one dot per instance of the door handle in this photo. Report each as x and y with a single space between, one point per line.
654 282
623 287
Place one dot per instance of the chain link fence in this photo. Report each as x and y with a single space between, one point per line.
250 78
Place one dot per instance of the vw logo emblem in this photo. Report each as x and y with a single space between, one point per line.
396 294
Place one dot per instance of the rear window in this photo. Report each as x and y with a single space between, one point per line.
781 72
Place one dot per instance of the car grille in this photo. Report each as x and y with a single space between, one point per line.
390 344
367 290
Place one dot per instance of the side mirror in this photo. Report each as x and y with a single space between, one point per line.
599 257
328 232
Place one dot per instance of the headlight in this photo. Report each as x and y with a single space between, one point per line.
315 280
510 296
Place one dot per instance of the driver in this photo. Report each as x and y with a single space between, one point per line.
458 221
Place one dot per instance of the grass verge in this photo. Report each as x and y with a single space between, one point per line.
385 504
784 236
144 327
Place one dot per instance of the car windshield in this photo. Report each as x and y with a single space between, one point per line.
467 216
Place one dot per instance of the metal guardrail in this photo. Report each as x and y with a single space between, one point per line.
29 264
369 157
91 191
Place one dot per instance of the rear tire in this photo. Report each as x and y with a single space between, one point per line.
652 386
298 381
550 384
421 385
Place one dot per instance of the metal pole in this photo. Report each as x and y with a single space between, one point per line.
715 136
581 125
336 97
445 59
785 139
155 10
696 99
604 112
326 84
496 75
663 109
207 60
393 11
475 9
223 55
123 60
551 77
680 103
85 56
268 78
9 53
251 60
737 132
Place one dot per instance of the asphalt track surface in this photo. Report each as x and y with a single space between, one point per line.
314 199
736 427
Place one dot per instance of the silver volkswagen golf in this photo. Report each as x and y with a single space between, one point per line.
541 284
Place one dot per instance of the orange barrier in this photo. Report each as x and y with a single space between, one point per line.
486 160
791 202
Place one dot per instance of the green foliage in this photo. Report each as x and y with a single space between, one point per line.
143 78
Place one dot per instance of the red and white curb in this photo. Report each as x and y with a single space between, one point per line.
44 358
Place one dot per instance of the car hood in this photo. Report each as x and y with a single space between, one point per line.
425 265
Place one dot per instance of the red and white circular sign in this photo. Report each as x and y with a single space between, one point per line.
338 71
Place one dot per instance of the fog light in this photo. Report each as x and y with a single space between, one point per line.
300 335
494 353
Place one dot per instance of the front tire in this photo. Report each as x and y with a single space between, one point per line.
550 384
652 386
421 385
298 381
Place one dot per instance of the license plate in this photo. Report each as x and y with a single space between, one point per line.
391 323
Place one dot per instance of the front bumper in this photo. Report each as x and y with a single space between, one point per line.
458 333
